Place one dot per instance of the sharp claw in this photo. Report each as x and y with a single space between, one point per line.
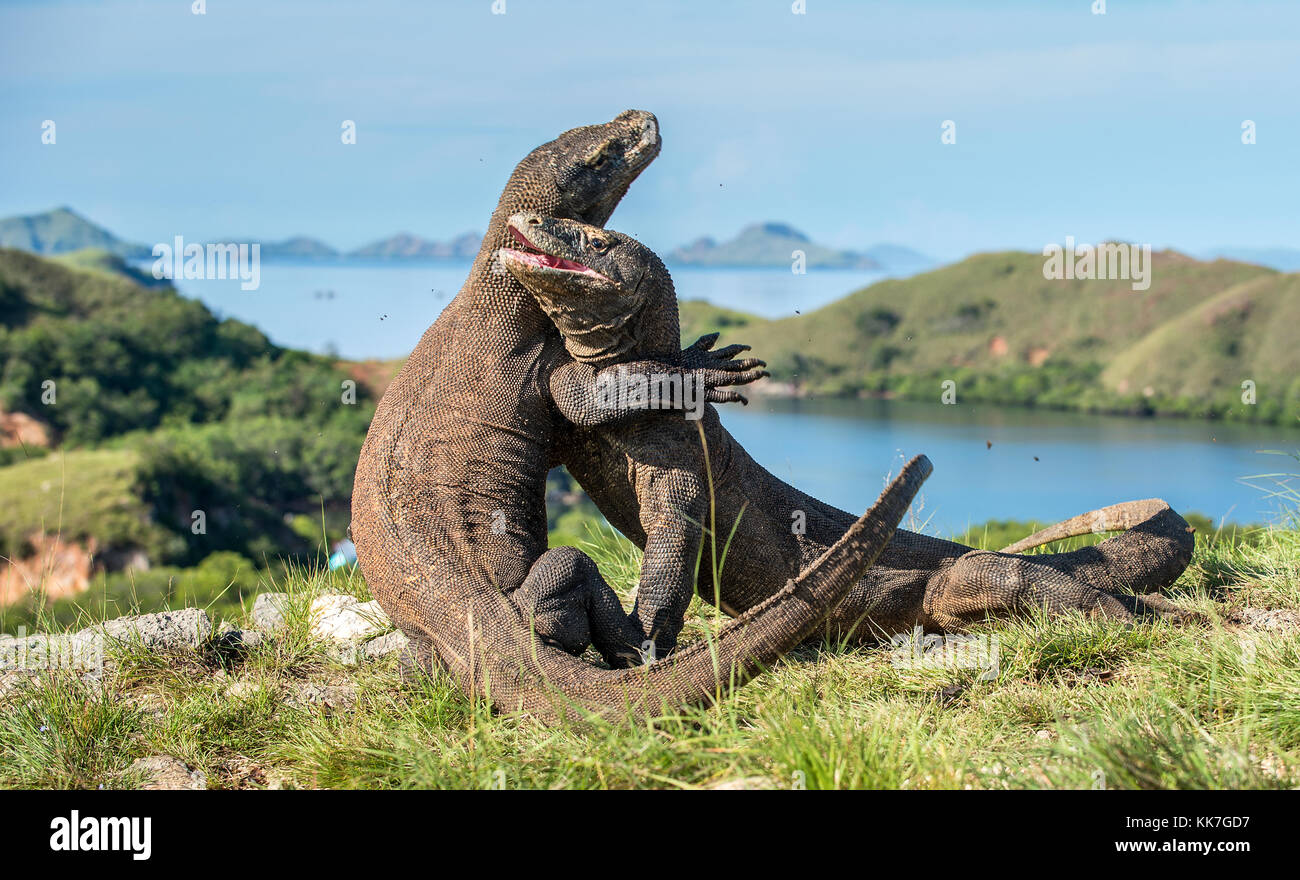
740 366
705 342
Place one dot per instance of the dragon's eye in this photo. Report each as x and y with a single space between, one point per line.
597 244
599 162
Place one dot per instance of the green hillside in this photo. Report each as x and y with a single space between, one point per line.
1003 333
1249 332
78 495
163 410
124 358
100 260
699 317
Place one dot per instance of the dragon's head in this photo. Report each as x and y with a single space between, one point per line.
586 171
593 283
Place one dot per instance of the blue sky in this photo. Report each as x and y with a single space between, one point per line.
1123 125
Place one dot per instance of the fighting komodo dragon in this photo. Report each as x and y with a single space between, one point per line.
448 509
651 480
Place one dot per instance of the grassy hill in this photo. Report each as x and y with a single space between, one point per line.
161 411
995 326
1245 333
124 358
109 263
78 495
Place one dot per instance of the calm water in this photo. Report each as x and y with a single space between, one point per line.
379 310
841 450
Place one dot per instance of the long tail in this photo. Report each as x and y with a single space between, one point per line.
1115 518
524 674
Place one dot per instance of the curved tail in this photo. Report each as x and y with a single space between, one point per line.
520 673
1155 547
1115 518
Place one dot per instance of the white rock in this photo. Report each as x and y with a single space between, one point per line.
164 631
230 636
81 651
268 610
385 646
325 696
344 619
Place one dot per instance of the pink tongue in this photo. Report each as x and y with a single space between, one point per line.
546 260
536 259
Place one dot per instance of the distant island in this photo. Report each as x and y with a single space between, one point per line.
405 246
774 244
63 231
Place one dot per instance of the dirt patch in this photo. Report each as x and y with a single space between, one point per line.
1267 619
165 773
20 429
241 771
59 568
374 376
744 783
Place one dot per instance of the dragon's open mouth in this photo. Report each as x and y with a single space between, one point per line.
533 256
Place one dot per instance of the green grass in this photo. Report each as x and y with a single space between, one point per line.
106 262
79 494
1076 703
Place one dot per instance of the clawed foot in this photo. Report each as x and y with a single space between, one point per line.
721 368
416 661
1157 607
982 584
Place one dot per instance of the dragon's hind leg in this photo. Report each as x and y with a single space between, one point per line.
1094 580
569 606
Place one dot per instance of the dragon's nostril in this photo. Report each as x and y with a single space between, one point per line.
534 221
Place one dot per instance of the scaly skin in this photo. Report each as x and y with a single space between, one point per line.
649 477
448 511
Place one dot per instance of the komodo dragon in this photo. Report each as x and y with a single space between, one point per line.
650 479
448 508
